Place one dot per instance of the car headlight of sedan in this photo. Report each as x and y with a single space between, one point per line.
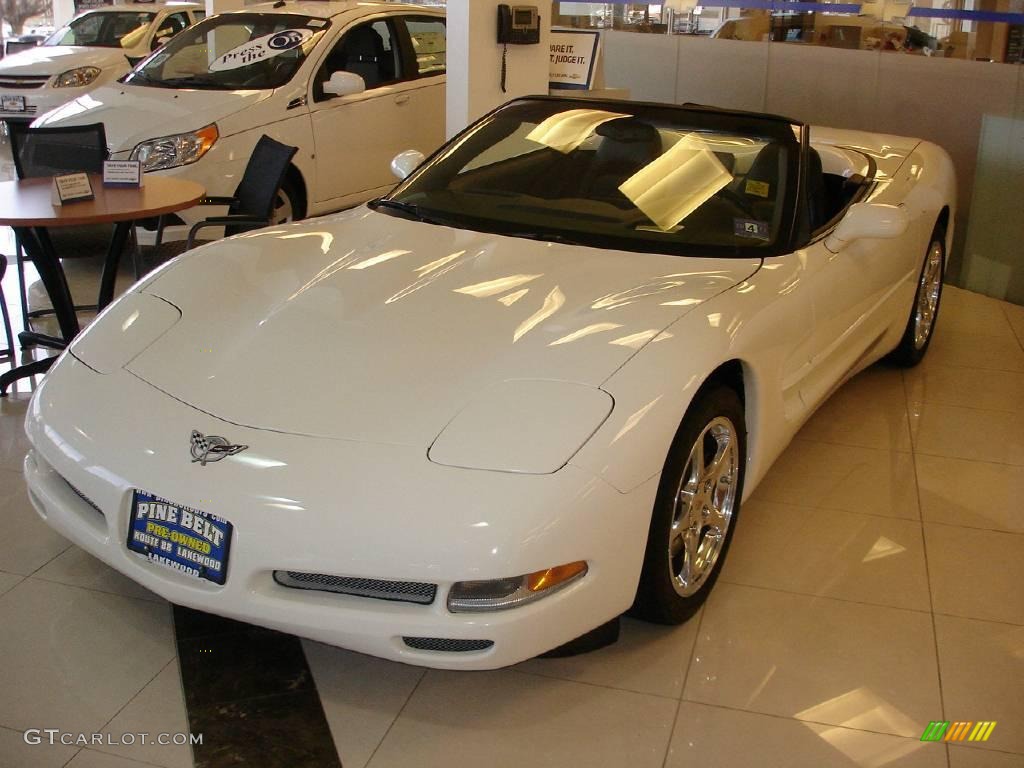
529 426
500 594
77 77
172 151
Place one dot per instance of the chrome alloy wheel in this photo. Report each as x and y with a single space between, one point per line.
703 506
928 295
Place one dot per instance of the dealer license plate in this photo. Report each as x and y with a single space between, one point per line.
12 103
188 540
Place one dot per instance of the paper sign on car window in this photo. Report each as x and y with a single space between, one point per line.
261 48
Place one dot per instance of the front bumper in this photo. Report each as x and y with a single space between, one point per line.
333 507
38 101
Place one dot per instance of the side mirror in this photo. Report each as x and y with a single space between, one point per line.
868 220
405 163
343 83
159 42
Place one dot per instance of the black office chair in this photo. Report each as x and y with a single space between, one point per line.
41 152
8 352
252 205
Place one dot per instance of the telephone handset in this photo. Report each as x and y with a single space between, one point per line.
517 25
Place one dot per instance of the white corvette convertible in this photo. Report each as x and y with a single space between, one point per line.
525 392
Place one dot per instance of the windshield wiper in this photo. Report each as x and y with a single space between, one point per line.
141 77
413 211
193 81
549 237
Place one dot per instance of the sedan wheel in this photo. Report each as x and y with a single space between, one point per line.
284 209
696 508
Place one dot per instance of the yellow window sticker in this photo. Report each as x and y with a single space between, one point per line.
759 188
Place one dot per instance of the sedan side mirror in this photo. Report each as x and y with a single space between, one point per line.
865 220
405 163
342 83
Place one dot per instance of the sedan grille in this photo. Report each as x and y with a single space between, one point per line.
85 498
447 645
402 591
23 81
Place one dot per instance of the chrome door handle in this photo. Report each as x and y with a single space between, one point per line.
401 98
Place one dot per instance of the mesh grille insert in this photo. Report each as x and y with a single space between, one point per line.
402 591
85 498
447 645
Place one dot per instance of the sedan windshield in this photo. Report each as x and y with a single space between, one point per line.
233 51
615 175
114 29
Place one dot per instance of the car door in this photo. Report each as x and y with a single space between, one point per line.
850 291
356 136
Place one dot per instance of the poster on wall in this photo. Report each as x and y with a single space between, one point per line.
573 58
88 5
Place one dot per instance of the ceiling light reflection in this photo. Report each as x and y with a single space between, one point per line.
552 303
494 287
588 330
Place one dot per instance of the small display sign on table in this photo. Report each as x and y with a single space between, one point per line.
70 188
122 173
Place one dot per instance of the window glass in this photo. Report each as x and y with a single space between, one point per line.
369 51
429 45
104 30
617 175
234 51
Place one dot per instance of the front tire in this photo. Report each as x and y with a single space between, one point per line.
696 508
288 205
917 336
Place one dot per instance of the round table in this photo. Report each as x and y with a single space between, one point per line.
25 205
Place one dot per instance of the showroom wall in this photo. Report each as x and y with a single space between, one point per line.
973 109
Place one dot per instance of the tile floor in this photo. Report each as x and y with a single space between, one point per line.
875 584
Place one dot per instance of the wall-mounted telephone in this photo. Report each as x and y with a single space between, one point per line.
517 25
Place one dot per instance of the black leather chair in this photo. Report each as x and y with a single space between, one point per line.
42 152
252 205
6 353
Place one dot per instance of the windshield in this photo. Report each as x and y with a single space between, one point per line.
615 175
114 29
234 51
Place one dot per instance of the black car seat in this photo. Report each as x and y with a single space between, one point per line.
364 55
627 145
817 210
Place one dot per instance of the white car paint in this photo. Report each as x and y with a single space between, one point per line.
345 143
21 73
363 358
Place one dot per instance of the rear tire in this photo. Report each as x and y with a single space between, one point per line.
917 336
696 508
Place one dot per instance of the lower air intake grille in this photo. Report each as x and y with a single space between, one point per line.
447 645
85 498
402 591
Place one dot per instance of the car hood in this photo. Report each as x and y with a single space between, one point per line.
54 59
368 327
134 113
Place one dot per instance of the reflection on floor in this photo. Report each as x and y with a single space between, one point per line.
874 586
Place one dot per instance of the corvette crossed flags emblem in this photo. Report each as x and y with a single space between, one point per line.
212 448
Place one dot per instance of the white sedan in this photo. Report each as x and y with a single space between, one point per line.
349 84
94 49
523 393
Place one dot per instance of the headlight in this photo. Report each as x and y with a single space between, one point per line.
76 78
522 425
499 594
172 151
